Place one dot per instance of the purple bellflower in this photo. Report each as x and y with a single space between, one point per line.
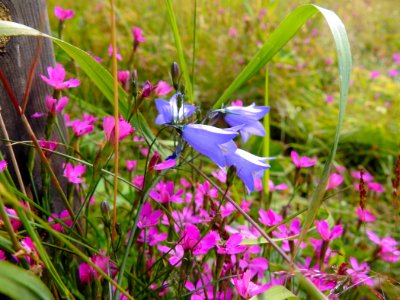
247 117
168 111
248 166
210 141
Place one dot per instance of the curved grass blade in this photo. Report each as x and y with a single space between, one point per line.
279 38
18 283
178 45
95 71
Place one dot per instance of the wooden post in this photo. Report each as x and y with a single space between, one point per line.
16 57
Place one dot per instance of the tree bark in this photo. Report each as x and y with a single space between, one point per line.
16 57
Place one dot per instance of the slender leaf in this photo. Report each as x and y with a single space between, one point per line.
179 49
18 283
278 292
279 38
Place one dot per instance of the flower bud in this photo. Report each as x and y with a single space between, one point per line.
105 211
176 75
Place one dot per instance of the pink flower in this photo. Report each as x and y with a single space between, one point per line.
123 77
245 287
137 37
74 173
163 88
376 187
147 89
334 181
396 58
164 193
238 102
15 222
63 14
110 53
207 242
131 165
233 32
55 106
138 181
87 273
374 74
359 272
81 127
328 61
3 165
232 245
284 233
148 217
357 175
393 73
304 161
329 98
64 217
124 127
387 247
152 237
169 163
326 234
57 76
220 175
365 215
2 255
279 187
269 218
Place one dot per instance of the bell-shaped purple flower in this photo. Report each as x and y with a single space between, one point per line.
248 166
248 117
168 112
210 141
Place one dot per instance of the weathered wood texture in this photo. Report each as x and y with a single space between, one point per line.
16 58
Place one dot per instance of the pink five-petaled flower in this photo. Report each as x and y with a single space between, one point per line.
396 58
55 106
164 193
387 247
232 245
64 217
152 237
269 218
74 173
15 222
3 165
245 287
148 217
374 74
278 187
283 232
359 272
137 37
365 215
81 127
110 53
57 76
334 181
124 129
302 162
131 165
163 88
63 14
123 77
87 273
326 234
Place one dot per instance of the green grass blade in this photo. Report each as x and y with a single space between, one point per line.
179 49
18 283
95 71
